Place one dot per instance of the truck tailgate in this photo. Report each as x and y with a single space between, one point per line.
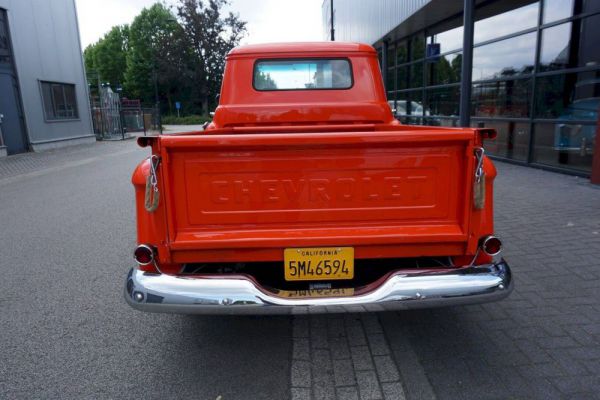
370 190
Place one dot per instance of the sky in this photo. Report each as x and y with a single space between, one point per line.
268 20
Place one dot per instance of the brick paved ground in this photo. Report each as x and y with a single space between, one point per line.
541 343
544 341
343 356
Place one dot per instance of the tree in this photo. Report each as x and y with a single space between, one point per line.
179 58
263 81
111 55
106 59
89 59
210 37
148 34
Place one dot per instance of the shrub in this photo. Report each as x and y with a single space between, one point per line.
187 120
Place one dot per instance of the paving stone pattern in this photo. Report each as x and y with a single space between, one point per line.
543 342
342 356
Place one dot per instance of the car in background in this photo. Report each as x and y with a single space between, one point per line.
400 109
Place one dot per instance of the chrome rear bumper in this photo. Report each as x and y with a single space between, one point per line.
241 295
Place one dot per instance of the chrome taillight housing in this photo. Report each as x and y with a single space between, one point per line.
491 245
143 254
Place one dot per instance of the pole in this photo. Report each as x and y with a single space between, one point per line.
384 64
156 100
595 176
332 28
467 64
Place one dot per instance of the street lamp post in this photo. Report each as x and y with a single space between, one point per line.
467 64
332 26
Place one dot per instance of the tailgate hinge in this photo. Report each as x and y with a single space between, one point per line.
479 184
152 195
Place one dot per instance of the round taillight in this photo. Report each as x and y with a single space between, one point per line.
492 246
143 254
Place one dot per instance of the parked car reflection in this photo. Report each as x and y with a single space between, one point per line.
400 109
574 137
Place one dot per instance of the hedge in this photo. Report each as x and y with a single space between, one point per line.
187 120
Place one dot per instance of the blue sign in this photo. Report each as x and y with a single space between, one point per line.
177 105
433 52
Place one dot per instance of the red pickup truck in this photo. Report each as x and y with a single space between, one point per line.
305 195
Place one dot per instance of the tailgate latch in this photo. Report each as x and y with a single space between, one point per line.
479 185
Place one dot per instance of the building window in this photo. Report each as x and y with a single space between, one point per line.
571 45
402 77
416 75
568 97
5 51
589 6
512 140
506 23
417 47
59 100
410 103
555 10
506 58
443 101
401 53
443 70
449 40
555 47
510 98
545 113
565 144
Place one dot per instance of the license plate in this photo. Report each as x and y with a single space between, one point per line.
319 263
303 294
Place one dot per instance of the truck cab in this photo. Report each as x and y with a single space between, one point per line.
305 194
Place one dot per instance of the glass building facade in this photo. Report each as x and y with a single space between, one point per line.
535 78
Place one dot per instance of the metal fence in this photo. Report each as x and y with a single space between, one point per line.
119 119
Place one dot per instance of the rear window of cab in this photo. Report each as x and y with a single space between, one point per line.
302 74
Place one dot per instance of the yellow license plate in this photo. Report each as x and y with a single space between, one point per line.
312 293
319 263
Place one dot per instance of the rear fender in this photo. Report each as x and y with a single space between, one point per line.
151 226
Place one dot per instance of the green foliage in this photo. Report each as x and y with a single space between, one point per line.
263 81
180 56
89 59
149 32
105 60
209 36
187 120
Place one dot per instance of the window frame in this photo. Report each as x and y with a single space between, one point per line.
301 59
47 118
